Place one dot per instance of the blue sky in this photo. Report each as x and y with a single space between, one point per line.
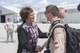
37 4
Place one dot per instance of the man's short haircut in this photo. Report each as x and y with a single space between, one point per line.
53 9
78 7
25 12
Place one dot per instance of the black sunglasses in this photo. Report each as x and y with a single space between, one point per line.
45 12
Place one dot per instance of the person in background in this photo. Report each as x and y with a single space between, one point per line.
58 40
28 32
9 27
62 12
78 7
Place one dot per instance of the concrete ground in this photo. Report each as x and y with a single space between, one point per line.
11 47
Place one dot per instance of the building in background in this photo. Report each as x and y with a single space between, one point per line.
12 13
72 14
9 12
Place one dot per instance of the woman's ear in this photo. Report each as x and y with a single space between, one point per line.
26 20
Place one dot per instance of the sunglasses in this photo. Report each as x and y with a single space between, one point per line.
45 12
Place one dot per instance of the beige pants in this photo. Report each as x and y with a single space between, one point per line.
9 34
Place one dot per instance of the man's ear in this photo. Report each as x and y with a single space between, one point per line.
50 14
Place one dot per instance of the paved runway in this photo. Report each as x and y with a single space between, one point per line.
11 47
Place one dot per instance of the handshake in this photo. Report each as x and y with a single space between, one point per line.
39 48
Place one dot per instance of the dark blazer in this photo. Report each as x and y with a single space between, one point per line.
24 40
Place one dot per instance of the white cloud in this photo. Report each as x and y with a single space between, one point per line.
17 5
44 2
16 0
38 4
29 1
2 3
63 3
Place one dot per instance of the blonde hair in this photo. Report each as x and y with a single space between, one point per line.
60 10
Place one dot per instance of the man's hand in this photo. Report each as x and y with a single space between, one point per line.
39 48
